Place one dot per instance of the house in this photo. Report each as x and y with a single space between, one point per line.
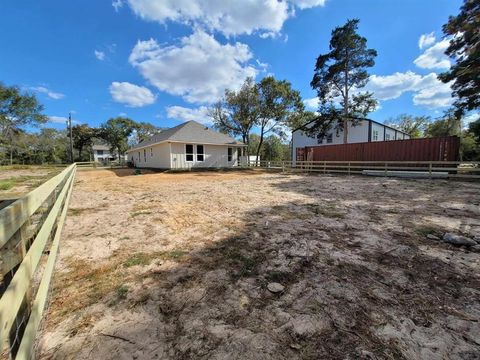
188 145
101 153
366 130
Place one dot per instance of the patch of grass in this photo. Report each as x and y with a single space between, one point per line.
78 211
328 209
122 292
424 230
248 265
175 254
6 185
138 259
141 212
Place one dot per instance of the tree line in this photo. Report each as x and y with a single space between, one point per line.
263 114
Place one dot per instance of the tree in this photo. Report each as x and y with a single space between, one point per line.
340 72
83 136
474 129
238 112
412 125
447 125
279 107
17 110
464 48
116 132
143 131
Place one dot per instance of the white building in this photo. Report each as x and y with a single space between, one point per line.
101 153
366 131
188 145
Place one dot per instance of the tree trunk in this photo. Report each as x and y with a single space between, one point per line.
259 145
11 154
345 104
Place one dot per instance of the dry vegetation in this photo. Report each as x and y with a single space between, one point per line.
18 180
176 266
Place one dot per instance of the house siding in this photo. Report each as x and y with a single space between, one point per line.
215 156
157 156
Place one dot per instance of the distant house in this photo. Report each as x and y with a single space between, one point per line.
101 153
366 131
188 145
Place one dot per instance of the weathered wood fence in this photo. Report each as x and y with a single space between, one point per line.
432 169
30 230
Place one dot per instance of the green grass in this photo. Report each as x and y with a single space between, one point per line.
6 185
122 292
138 259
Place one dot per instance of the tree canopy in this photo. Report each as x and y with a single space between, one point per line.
17 110
412 125
338 76
464 49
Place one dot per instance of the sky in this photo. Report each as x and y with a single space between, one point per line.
167 61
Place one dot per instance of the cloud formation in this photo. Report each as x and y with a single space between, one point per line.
227 17
100 55
51 94
199 114
131 95
426 40
434 57
199 68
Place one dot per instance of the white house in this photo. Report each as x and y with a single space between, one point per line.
101 153
365 131
188 145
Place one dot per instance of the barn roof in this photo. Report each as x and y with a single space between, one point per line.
189 132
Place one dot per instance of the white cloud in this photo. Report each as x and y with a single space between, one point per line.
311 103
100 55
427 90
58 119
228 17
426 40
199 114
117 4
130 94
473 116
49 93
434 57
199 69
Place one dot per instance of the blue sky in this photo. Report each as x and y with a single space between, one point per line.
166 61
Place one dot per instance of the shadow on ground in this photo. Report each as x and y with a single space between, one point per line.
354 287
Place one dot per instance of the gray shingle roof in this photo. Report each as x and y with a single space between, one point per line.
190 132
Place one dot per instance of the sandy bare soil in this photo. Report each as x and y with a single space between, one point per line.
18 180
179 266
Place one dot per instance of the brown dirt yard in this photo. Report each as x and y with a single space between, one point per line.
177 266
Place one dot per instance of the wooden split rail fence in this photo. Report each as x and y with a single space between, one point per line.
30 230
432 169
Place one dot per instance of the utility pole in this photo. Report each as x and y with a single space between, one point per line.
69 123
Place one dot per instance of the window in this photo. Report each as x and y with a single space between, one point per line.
375 135
145 155
151 152
230 154
320 138
189 152
329 138
99 152
200 154
387 137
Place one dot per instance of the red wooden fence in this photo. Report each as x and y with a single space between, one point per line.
427 149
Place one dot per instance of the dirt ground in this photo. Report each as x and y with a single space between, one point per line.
178 266
18 180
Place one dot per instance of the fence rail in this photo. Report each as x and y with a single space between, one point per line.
30 230
430 169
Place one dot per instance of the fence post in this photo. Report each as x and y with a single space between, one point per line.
430 170
283 166
324 167
386 169
349 168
